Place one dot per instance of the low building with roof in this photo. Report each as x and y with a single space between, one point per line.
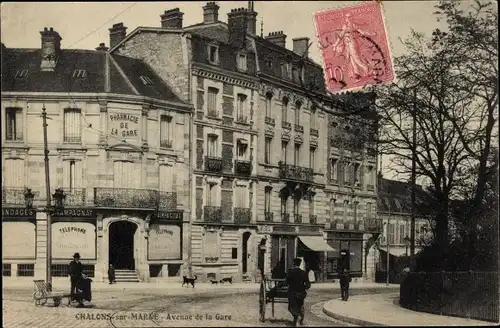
118 141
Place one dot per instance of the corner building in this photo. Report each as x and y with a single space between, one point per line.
118 148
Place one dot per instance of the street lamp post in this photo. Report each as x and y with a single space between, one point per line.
48 272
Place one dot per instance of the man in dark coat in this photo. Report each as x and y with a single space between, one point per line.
111 274
76 274
298 282
344 279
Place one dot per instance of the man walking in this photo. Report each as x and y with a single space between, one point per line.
75 273
345 279
298 282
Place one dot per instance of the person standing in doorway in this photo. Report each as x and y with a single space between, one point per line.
111 274
345 279
75 274
298 282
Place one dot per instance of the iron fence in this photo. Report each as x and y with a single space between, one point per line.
471 294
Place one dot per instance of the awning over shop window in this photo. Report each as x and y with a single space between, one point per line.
316 243
396 251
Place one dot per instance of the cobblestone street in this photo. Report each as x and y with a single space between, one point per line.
162 308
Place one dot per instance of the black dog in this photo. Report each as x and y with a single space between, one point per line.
215 282
188 281
229 280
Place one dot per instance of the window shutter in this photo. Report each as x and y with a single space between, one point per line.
19 124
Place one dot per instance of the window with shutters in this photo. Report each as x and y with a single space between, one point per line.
211 246
284 110
14 173
127 175
296 154
212 95
269 98
166 178
166 131
284 147
72 125
72 174
267 150
267 199
335 171
402 234
241 108
212 147
212 199
312 154
392 233
298 105
13 124
241 197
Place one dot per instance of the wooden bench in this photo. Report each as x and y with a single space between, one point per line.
42 294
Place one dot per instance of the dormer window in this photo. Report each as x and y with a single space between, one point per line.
79 73
241 62
22 73
213 54
146 80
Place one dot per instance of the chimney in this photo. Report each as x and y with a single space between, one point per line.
300 46
237 21
252 19
277 38
51 49
116 34
210 13
102 47
172 19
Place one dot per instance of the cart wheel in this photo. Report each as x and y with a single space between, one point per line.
39 300
262 302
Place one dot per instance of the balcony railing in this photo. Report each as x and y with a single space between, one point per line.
213 214
167 200
126 198
270 121
286 125
314 132
373 225
299 128
293 172
297 218
242 215
13 196
243 167
313 219
269 216
74 197
166 143
285 217
213 164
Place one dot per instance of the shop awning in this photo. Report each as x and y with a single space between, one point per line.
396 251
316 243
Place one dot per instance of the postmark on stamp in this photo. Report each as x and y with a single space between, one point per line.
354 45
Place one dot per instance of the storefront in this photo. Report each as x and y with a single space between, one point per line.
18 242
350 246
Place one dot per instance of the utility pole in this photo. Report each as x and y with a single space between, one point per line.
388 248
48 206
413 176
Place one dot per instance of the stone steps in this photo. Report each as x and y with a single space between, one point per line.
126 276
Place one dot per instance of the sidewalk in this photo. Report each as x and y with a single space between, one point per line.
383 310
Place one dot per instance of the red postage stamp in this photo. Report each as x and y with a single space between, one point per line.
353 42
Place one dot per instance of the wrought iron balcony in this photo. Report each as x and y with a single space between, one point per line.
243 167
213 164
242 215
373 225
213 214
286 125
269 120
74 197
167 200
18 196
297 173
297 218
285 217
313 219
314 132
299 128
269 216
126 198
166 143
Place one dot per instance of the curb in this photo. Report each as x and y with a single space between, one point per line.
357 322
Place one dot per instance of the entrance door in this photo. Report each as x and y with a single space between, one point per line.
244 253
121 245
261 255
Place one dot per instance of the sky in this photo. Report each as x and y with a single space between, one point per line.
85 25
